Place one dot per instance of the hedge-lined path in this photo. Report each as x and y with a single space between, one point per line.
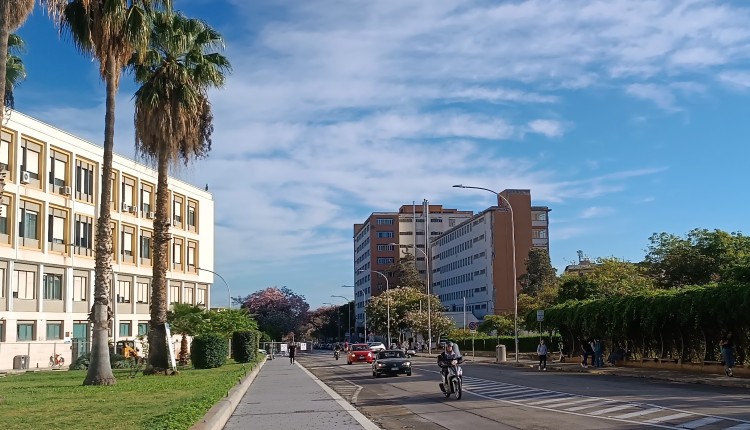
287 396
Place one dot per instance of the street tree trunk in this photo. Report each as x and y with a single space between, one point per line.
157 338
4 35
100 368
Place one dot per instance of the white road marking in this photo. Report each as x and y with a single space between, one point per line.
639 413
667 418
541 402
593 405
612 409
743 426
699 423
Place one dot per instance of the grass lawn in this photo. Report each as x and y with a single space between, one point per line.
57 400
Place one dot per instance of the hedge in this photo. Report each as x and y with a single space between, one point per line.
685 324
525 343
245 345
208 351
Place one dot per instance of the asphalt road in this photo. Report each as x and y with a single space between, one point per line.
503 397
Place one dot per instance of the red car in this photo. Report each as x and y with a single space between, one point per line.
360 353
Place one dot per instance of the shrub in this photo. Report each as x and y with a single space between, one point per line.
116 361
208 351
245 345
525 343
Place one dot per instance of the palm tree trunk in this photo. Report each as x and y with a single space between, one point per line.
157 338
100 369
4 34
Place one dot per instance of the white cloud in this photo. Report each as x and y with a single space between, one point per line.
736 78
546 127
596 212
659 95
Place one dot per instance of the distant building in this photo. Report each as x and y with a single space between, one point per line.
583 266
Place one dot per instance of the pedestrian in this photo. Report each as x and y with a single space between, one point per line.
598 347
292 350
727 353
587 352
541 350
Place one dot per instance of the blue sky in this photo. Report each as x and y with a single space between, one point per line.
626 117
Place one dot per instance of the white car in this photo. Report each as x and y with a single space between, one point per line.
376 346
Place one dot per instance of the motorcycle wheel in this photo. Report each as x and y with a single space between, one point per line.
457 389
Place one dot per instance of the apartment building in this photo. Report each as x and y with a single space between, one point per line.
379 238
472 263
47 225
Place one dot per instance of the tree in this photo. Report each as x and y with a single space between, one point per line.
13 14
406 273
279 311
186 320
15 72
173 123
540 275
109 31
615 277
577 287
322 323
224 322
498 325
418 322
408 310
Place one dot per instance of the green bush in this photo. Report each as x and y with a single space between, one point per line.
116 361
208 351
245 345
525 343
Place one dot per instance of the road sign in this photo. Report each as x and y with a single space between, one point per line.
540 315
473 325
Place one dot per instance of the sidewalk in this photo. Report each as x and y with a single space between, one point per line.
286 396
633 372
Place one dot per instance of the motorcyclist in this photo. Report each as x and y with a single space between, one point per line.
337 350
444 361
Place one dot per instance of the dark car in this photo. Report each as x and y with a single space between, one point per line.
391 362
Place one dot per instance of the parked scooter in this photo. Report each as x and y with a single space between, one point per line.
453 381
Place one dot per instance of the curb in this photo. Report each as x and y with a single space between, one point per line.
219 414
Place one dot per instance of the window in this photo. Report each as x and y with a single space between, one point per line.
125 329
145 245
192 215
127 237
200 297
4 211
28 223
177 211
6 142
188 295
24 285
52 286
128 189
2 331
540 216
2 283
174 293
80 292
384 260
384 221
192 253
127 243
85 180
539 234
177 256
54 330
141 292
25 330
123 292
385 234
84 235
385 247
113 198
146 192
58 169
30 160
57 220
142 328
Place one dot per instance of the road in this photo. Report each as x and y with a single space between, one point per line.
504 397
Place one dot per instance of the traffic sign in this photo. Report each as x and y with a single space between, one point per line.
473 326
540 315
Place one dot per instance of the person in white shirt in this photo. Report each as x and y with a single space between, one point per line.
541 350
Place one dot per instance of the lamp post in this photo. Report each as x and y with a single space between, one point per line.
513 250
338 317
429 305
229 292
364 313
387 304
348 315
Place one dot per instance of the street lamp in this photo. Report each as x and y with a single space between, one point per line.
338 317
387 303
513 250
348 315
364 312
429 305
229 292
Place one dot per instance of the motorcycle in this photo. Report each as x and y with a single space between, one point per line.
336 354
454 380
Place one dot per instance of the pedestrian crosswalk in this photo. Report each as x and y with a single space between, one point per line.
345 388
610 409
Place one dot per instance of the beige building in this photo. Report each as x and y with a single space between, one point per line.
47 224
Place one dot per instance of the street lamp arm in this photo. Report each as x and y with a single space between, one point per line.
476 188
229 291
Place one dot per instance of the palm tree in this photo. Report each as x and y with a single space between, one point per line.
110 31
13 14
173 122
15 72
185 319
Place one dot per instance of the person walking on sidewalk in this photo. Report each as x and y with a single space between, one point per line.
541 350
727 353
598 347
292 351
587 352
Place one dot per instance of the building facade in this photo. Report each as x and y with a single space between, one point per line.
379 238
472 263
48 219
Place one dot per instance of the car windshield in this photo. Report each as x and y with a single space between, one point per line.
391 354
360 348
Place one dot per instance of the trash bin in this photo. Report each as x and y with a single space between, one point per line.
21 362
500 354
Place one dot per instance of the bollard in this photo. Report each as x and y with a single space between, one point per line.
500 355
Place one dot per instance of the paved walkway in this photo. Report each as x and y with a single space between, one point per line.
286 396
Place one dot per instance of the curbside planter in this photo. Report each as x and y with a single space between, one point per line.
219 414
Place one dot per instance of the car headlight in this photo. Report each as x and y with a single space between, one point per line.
354 355
407 364
380 364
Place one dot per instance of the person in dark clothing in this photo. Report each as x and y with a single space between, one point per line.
727 353
292 351
588 351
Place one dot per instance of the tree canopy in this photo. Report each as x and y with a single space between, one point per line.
278 311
